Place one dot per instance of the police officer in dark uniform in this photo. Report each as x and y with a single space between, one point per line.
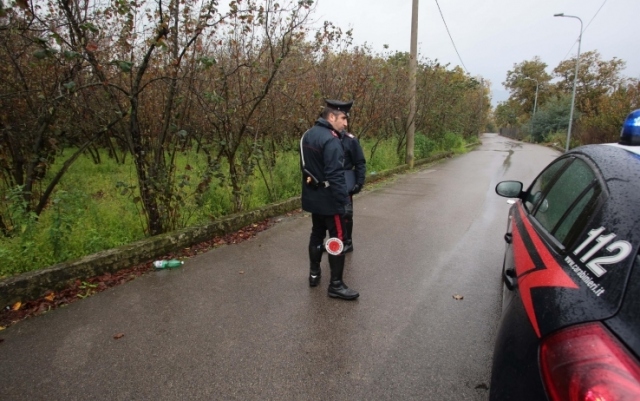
355 167
325 194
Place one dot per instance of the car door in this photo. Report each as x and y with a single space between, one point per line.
530 201
555 212
550 215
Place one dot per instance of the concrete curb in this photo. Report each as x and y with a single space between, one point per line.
35 284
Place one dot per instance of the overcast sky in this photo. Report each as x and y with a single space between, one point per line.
493 35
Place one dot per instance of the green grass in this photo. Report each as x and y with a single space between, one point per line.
93 207
86 214
384 157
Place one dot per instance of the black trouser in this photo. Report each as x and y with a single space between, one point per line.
348 226
321 224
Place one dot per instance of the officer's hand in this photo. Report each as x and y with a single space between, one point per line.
356 188
348 211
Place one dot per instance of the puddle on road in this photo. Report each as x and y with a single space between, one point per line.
507 161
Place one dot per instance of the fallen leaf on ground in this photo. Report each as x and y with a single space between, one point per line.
457 297
118 336
241 272
50 297
16 306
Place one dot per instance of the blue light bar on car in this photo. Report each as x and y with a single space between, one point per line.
630 134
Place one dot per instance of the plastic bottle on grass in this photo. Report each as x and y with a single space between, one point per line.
167 264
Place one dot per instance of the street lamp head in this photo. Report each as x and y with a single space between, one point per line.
559 15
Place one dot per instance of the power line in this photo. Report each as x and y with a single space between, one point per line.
585 29
452 42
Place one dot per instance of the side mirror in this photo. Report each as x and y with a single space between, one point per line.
509 189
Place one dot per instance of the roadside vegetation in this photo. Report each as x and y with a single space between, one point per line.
122 120
93 208
604 97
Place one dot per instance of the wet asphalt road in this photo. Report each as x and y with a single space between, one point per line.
241 323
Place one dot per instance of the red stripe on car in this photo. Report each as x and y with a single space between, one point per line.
530 276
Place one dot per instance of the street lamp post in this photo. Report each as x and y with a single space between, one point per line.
535 102
575 78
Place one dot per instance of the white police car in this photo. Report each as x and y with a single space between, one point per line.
570 326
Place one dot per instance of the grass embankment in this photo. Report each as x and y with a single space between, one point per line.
93 208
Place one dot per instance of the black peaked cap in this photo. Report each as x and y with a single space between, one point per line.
340 106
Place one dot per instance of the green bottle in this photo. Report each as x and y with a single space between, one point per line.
164 264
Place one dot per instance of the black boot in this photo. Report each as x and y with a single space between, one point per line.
315 256
337 288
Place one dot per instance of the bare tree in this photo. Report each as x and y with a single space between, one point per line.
236 90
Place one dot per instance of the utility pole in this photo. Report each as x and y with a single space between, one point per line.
413 67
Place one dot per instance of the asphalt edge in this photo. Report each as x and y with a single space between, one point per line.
35 284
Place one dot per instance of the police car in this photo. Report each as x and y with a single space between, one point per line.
570 326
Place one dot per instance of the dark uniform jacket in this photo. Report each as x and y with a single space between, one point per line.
323 157
354 158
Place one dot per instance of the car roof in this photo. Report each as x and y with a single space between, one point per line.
613 160
632 149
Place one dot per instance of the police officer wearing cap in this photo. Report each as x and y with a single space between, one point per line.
325 194
355 167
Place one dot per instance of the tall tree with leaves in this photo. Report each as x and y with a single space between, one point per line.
522 86
612 110
506 113
596 78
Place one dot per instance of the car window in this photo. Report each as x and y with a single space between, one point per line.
568 197
570 220
541 184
